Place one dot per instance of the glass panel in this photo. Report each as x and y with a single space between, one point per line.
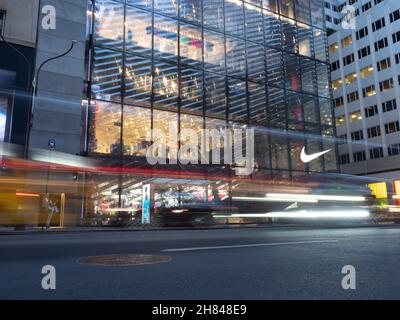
279 152
165 38
234 20
235 57
274 67
323 79
292 72
257 103
213 16
137 80
163 121
276 107
261 148
191 45
192 91
314 146
191 10
254 23
287 8
105 128
237 99
109 23
317 13
271 5
329 144
303 13
305 40
137 125
138 31
296 145
289 34
168 7
308 75
295 112
107 75
214 52
194 123
325 110
215 95
165 85
255 62
320 45
272 29
141 3
310 109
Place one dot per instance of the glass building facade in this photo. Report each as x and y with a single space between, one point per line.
211 64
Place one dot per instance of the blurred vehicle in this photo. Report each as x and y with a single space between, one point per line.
117 218
196 214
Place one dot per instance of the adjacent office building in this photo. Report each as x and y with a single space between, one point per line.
365 65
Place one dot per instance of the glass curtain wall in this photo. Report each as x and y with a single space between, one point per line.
194 63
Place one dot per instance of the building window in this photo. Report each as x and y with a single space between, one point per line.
352 97
340 120
378 24
389 105
344 159
376 153
339 102
386 85
105 128
397 57
396 37
336 84
357 135
381 44
394 16
347 41
362 33
394 149
369 91
374 132
335 65
350 78
371 111
384 64
392 127
355 116
333 48
359 156
2 21
348 59
366 72
364 52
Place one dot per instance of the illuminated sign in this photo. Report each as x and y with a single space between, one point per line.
379 190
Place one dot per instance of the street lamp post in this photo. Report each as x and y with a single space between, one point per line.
32 108
35 90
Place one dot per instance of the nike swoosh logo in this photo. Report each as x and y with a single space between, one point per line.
308 158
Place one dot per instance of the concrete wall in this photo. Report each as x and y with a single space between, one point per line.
21 21
58 107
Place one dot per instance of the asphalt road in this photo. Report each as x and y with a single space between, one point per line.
258 263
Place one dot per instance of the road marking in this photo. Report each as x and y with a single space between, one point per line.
249 245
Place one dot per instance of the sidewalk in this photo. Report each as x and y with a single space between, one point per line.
77 229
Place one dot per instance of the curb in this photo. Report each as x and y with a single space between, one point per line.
216 227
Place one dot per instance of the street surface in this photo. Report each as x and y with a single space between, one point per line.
243 263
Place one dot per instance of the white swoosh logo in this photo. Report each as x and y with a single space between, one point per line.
308 158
